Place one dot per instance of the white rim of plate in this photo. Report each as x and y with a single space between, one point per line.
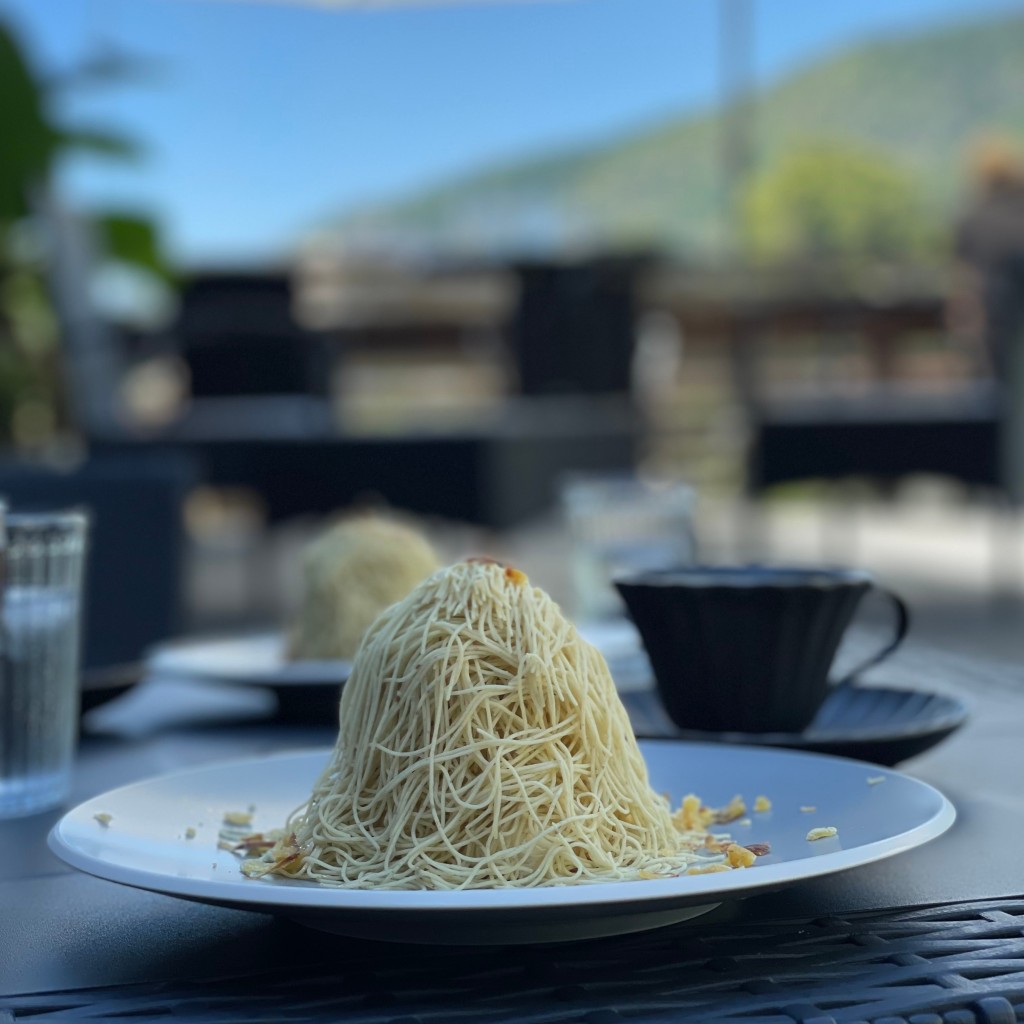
287 894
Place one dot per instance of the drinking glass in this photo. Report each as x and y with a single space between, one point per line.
40 611
622 523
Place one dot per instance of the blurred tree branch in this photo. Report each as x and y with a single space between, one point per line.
33 145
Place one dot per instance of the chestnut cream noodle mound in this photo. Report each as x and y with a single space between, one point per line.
482 744
350 575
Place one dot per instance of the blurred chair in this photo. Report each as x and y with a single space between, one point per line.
238 337
974 435
886 435
261 419
133 589
574 329
250 363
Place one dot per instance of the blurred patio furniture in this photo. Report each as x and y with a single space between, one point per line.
971 433
260 418
749 311
247 358
238 337
572 331
885 435
133 587
880 427
496 472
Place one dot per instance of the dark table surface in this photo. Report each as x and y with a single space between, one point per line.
76 947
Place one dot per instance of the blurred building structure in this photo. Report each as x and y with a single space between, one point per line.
464 384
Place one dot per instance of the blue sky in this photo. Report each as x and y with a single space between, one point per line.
261 119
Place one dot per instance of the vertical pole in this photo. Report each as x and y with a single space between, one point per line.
1008 314
735 63
736 80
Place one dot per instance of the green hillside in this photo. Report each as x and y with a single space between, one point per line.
919 99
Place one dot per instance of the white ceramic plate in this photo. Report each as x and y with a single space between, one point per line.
145 845
256 659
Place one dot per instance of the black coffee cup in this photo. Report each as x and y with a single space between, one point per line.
748 648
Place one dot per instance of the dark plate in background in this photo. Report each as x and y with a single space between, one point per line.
881 724
99 685
315 704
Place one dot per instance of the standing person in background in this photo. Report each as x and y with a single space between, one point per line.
988 293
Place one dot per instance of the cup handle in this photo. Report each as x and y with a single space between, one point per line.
902 626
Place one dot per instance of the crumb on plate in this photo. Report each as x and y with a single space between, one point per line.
740 857
708 869
822 833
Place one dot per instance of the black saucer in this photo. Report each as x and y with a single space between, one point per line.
872 723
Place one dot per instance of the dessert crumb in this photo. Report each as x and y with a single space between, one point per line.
822 833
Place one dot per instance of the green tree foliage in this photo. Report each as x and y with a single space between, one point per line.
837 202
33 141
27 137
33 144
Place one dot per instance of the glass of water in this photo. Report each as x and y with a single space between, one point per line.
41 567
623 523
